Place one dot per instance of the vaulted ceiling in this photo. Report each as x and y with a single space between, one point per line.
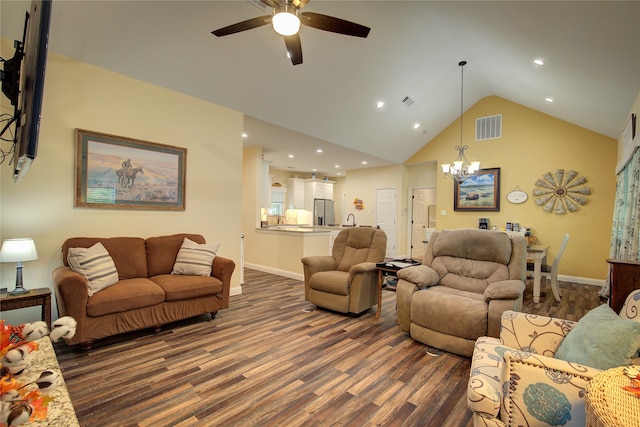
591 52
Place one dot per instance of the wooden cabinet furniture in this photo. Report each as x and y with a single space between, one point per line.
624 277
32 298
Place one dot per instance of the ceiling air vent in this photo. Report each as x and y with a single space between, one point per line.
407 101
489 127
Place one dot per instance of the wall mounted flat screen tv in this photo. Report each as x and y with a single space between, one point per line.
23 83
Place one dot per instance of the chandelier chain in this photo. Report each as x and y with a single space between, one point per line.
461 167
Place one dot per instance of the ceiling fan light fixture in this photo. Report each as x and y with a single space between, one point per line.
285 20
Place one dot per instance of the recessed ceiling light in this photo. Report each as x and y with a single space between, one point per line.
290 156
336 166
339 174
550 100
538 61
380 104
314 170
244 134
416 125
319 150
364 162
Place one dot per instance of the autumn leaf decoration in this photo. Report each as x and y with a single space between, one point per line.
633 372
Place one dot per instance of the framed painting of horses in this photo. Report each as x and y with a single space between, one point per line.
479 192
117 172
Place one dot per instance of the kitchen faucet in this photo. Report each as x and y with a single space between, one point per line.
354 219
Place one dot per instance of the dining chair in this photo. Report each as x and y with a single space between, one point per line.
551 271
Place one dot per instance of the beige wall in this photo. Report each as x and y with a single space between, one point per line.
363 184
533 144
78 95
276 253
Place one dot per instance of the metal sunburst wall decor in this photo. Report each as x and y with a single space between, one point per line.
561 192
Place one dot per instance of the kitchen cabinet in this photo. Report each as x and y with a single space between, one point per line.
319 189
295 193
316 189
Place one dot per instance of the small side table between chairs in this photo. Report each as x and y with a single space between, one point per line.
32 298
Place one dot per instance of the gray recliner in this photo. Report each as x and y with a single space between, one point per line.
467 279
346 280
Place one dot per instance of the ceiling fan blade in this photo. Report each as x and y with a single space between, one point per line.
335 25
294 47
249 24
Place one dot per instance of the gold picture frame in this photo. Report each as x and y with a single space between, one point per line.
116 172
479 192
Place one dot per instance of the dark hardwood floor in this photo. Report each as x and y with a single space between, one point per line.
265 361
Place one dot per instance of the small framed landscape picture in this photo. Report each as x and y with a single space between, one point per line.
479 192
125 173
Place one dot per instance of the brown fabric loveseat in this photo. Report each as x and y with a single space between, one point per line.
146 293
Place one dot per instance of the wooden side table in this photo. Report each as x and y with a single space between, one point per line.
384 267
32 298
381 270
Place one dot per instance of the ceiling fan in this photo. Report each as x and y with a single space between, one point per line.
286 18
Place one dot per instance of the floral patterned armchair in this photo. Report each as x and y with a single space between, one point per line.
516 381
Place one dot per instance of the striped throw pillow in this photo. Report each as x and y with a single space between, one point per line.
94 264
195 259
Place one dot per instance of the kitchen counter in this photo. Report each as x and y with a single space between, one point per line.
294 229
279 248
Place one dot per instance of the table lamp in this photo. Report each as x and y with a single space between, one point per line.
18 251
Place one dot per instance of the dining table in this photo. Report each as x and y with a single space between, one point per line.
537 254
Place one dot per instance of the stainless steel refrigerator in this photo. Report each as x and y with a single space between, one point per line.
322 212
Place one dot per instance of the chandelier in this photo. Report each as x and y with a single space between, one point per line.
461 168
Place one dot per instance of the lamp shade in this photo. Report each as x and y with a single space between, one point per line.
18 250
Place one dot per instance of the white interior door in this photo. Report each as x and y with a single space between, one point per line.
386 212
422 219
418 222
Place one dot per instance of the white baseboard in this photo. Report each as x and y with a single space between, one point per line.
285 273
581 280
235 291
298 276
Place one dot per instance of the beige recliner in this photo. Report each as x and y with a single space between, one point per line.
467 279
346 281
